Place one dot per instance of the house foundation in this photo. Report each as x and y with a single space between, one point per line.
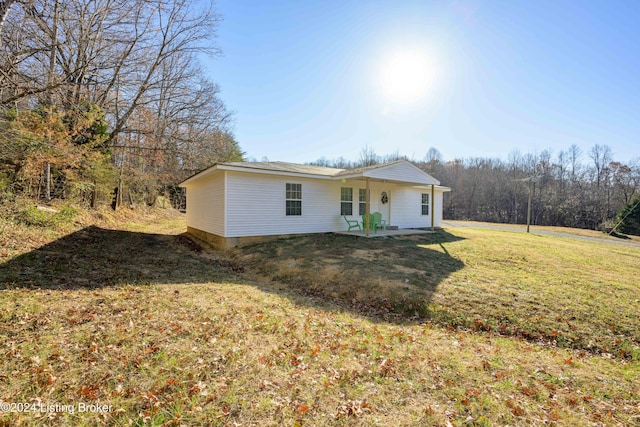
223 243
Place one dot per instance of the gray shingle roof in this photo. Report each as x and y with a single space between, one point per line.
365 168
287 167
320 171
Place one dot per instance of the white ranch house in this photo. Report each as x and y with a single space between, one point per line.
232 204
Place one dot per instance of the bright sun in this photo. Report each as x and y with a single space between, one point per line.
406 76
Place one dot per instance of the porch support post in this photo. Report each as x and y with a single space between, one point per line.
368 208
433 207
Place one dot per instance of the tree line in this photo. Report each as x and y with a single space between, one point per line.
104 97
573 188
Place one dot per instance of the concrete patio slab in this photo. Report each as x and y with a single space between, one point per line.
386 233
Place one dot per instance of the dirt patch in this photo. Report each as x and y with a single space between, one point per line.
367 254
331 270
188 243
291 263
407 270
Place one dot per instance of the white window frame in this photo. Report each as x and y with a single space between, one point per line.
289 197
362 201
426 204
346 205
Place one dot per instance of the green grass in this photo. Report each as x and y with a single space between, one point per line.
317 330
555 290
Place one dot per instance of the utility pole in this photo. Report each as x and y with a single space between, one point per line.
532 182
529 209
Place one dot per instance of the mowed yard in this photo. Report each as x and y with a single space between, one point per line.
467 326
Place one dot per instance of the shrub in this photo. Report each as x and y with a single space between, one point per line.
35 217
65 215
40 218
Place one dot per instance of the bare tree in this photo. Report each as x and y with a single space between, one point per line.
601 156
181 32
5 7
368 156
433 155
136 60
575 153
487 189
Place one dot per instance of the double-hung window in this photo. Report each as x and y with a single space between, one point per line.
362 201
425 203
346 201
293 199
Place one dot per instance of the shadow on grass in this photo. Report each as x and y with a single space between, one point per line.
619 236
390 278
387 277
95 257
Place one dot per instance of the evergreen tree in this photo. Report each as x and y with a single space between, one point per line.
629 217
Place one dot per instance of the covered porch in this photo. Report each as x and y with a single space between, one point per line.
402 196
386 233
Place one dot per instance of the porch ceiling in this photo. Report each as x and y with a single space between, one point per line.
385 180
418 185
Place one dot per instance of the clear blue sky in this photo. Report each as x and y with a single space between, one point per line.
304 77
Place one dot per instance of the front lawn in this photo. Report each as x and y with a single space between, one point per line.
321 330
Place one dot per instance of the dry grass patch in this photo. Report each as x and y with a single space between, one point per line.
368 255
549 289
165 334
219 354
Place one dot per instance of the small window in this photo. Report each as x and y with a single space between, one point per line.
425 203
346 201
362 205
293 196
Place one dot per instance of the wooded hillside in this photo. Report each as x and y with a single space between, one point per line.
570 188
107 97
104 94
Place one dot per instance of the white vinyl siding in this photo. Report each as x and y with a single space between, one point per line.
256 206
403 172
406 209
206 205
437 207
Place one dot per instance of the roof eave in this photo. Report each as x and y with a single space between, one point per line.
442 188
367 174
208 171
248 169
275 172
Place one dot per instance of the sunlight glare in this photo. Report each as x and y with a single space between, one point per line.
406 76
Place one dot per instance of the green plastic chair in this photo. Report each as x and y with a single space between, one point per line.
372 223
352 223
377 219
